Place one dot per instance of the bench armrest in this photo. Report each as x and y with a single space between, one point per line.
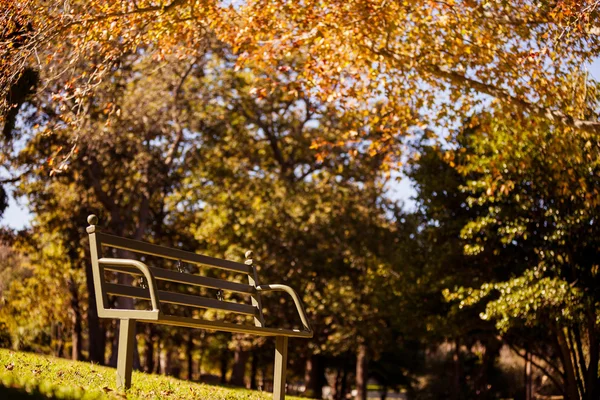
143 269
291 292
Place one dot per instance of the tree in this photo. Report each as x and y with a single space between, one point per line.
434 261
194 154
257 183
125 179
47 273
422 57
539 194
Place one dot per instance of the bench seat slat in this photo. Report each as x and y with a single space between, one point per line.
228 327
189 279
179 298
167 252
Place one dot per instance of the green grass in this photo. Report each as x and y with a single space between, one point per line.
32 376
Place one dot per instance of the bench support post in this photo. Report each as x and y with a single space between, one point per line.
125 355
281 347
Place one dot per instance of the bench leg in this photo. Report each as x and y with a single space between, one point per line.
125 356
281 347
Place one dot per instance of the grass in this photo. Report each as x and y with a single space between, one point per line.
32 376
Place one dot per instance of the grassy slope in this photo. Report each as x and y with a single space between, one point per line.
27 376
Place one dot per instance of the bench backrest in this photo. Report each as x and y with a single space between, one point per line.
99 241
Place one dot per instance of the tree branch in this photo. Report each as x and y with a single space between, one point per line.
576 366
271 138
144 10
555 116
592 376
570 379
459 79
538 366
14 179
310 170
179 135
579 351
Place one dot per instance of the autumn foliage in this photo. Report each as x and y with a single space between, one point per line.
280 125
414 59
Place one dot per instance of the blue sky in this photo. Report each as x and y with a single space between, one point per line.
17 215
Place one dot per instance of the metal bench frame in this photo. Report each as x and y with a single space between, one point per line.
128 318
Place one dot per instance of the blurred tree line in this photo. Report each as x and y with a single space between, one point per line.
186 151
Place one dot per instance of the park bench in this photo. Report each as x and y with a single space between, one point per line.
149 290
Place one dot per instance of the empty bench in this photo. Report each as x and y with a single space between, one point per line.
160 298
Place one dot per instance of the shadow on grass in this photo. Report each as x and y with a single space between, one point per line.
19 393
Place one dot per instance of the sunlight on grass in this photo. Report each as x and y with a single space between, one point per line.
43 376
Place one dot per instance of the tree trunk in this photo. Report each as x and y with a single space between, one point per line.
314 376
165 360
149 349
238 371
159 366
337 384
76 319
254 371
263 379
571 390
492 352
57 339
76 338
224 362
361 372
200 364
341 386
457 370
190 362
592 372
344 385
528 382
96 338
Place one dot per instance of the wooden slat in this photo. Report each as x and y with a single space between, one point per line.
228 327
170 253
179 298
188 279
145 315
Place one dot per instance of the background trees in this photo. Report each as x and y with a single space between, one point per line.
521 54
193 155
539 194
276 126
